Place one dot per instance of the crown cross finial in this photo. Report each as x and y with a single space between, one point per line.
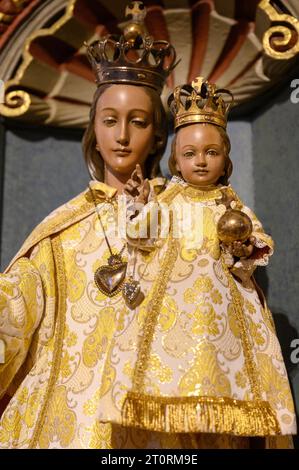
197 83
135 12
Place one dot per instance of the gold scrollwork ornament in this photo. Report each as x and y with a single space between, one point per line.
279 35
17 103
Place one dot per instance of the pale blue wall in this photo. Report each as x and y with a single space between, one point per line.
43 169
240 133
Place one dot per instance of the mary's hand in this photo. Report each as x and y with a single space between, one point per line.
137 187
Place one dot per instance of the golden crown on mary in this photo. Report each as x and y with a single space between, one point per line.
200 102
134 57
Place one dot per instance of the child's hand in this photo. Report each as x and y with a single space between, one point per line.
239 249
137 187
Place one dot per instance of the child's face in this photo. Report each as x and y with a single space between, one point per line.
200 154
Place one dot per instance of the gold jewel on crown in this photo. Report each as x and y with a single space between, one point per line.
201 102
132 58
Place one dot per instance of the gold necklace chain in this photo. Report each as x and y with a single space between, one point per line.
110 279
109 200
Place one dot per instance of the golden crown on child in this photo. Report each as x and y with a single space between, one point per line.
200 102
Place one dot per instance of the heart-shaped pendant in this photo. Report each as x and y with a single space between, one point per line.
132 293
109 278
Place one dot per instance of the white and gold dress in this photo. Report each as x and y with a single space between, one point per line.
200 354
60 331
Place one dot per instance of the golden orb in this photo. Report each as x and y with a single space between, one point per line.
132 31
234 225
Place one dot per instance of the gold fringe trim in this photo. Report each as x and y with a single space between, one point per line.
153 311
199 414
59 333
247 345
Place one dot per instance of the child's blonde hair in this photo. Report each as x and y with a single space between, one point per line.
224 179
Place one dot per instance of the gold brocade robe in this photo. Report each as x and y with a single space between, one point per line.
58 327
200 354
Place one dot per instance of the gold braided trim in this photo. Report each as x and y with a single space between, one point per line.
57 354
199 414
213 192
168 195
250 364
154 308
202 195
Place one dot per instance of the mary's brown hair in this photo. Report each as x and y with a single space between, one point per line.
224 180
92 156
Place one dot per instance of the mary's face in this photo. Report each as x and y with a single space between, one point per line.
124 128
